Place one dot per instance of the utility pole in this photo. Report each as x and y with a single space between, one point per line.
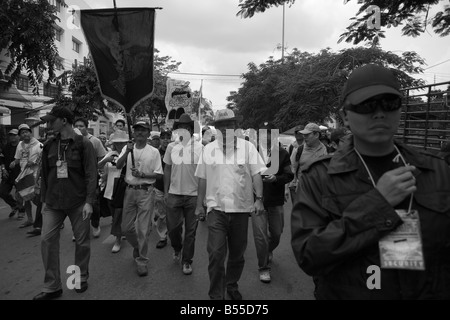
282 39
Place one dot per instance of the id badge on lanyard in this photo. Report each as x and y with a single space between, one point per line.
402 248
61 165
61 170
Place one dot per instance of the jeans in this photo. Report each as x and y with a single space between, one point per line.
226 231
136 220
181 208
160 214
267 229
52 220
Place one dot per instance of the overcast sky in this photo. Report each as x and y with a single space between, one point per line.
207 37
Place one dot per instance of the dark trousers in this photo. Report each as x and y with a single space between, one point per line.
226 232
38 218
181 209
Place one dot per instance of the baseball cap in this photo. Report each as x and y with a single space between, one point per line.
142 124
13 131
368 81
155 135
310 127
58 112
24 126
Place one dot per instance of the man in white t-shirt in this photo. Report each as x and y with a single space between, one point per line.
138 201
230 178
180 189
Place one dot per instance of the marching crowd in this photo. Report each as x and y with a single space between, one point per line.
359 197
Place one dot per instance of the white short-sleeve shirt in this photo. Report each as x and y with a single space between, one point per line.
229 178
183 160
146 160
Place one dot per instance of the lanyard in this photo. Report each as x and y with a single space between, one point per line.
399 155
64 151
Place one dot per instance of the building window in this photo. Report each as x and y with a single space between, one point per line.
50 91
76 45
58 34
58 6
22 83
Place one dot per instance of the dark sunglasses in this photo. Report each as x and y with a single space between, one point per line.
369 106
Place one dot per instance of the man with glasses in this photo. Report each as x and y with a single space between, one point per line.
374 219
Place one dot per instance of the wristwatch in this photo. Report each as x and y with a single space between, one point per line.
259 198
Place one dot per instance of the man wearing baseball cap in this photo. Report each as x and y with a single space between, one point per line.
373 221
138 202
68 185
312 149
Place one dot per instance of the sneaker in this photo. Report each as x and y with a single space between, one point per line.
161 244
96 232
187 269
26 224
116 247
176 256
34 232
142 271
20 216
264 276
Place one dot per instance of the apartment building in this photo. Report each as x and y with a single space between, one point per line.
18 104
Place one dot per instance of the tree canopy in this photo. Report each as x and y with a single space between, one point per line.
307 86
27 35
413 15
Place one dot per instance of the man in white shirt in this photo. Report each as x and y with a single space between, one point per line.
230 172
138 201
180 189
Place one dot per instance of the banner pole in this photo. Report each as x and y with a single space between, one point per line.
130 134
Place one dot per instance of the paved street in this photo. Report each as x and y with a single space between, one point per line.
113 276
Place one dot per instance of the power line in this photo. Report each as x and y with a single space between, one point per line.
437 64
207 74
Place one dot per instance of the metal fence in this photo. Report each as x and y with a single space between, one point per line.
425 117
